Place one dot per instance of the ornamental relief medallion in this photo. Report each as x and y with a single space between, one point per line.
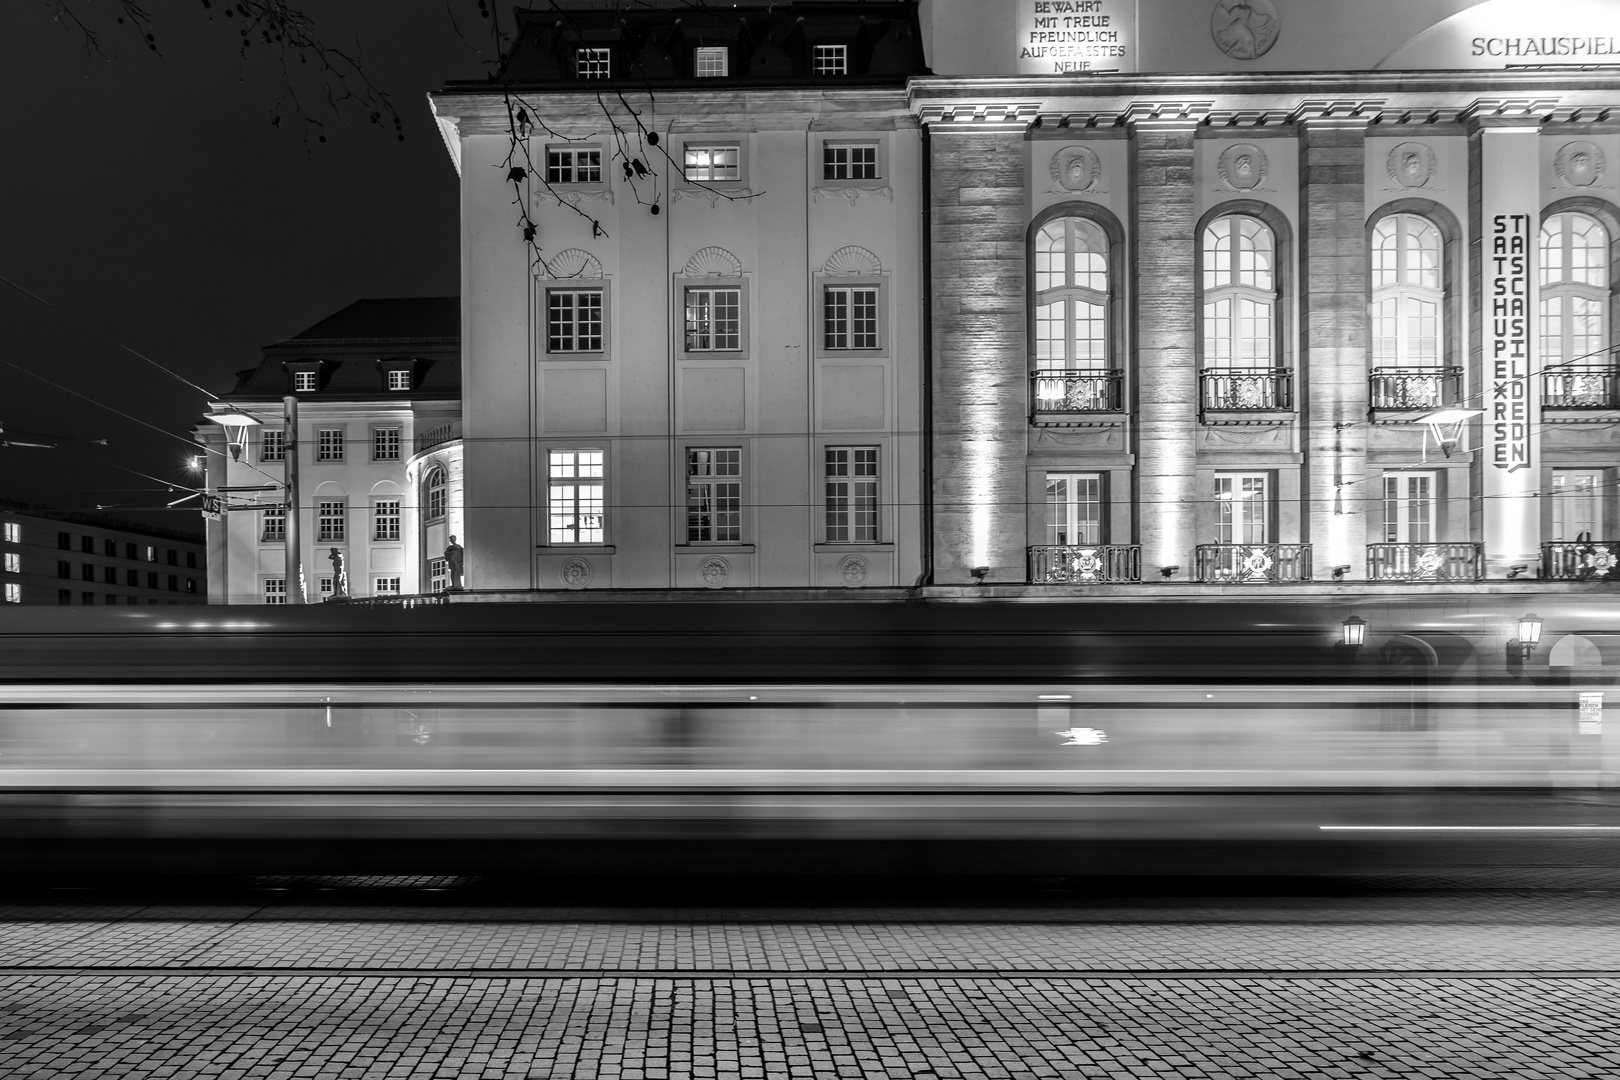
1244 29
1411 165
1242 166
1579 163
853 570
1076 168
715 571
575 573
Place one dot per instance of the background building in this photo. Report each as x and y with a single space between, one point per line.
60 557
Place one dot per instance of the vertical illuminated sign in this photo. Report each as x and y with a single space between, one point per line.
1056 36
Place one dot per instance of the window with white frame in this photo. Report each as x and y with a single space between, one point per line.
849 161
399 379
573 164
14 563
573 320
329 444
593 63
275 590
831 59
713 320
1577 507
385 586
273 444
576 499
324 587
852 494
305 380
1243 509
1071 295
1074 508
1409 508
436 487
14 593
710 61
438 575
849 317
13 532
718 161
274 526
1240 293
385 519
1407 292
385 443
1574 292
329 520
713 495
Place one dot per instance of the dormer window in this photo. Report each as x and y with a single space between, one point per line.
832 60
304 381
399 380
710 62
593 63
398 375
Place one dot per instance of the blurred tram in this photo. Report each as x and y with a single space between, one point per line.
920 736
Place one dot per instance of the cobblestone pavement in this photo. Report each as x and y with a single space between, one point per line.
1332 988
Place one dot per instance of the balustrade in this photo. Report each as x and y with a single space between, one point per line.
1084 564
1253 562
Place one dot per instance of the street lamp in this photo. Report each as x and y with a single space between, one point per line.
239 421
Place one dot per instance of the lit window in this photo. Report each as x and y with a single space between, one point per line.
385 586
304 380
1408 508
849 161
576 497
191 585
13 563
1406 292
1574 296
1243 514
573 165
593 63
329 520
151 553
849 318
435 502
1071 296
1073 508
709 62
1577 505
385 519
13 532
1240 294
273 445
852 494
832 59
275 590
399 379
713 319
438 575
13 593
713 495
329 444
712 162
385 444
275 525
323 587
574 320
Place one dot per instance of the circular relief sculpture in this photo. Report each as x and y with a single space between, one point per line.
1075 168
1244 29
576 573
1428 563
715 571
1088 565
1579 164
1411 165
1242 166
853 570
1256 563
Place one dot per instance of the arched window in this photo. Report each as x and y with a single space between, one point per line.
1574 290
1407 294
1071 296
1240 293
435 486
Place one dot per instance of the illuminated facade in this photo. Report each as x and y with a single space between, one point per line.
73 559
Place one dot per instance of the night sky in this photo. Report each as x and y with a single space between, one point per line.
151 198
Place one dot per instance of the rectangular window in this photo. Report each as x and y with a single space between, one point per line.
1577 509
438 575
832 59
1243 514
385 586
574 320
191 560
151 553
399 379
275 590
385 444
13 532
849 318
304 380
275 525
576 497
593 63
64 569
131 601
174 557
714 495
1074 508
87 598
13 563
852 494
64 541
191 585
109 548
1409 508
87 544
713 319
385 519
573 165
710 61
131 551
329 444
329 521
64 596
712 162
132 578
174 583
273 445
87 571
13 593
151 581
849 161
323 586
109 575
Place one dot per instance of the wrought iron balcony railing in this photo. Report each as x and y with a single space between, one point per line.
1581 386
1077 391
1253 562
1460 561
1581 560
1084 564
1247 389
1399 388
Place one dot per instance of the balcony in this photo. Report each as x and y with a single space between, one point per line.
1250 563
1247 389
1084 564
1093 390
1426 562
438 436
1581 386
1581 560
1413 389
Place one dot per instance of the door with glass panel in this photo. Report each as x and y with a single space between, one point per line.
1408 550
1074 532
1243 514
1071 302
1577 511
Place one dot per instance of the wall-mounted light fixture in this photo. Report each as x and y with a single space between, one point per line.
1355 632
1529 633
1168 572
980 573
1340 571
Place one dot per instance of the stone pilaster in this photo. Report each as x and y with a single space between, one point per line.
1333 340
